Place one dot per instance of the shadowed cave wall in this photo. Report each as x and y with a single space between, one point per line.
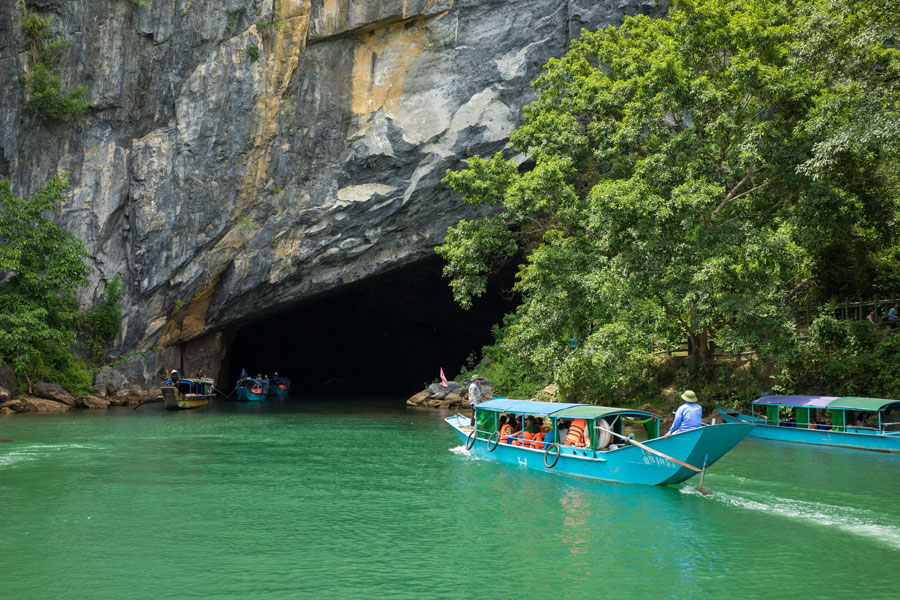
386 336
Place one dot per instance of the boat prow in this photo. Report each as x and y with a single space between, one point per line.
702 446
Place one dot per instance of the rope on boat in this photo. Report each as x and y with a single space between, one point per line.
654 451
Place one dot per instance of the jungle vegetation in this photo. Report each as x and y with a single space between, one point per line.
42 265
699 178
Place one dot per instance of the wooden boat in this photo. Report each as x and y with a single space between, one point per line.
252 390
188 393
843 422
613 454
280 387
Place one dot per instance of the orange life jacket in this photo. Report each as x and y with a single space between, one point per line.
577 435
528 436
505 431
538 441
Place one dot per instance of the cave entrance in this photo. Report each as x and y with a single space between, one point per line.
388 335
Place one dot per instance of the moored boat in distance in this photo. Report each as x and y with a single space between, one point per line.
607 451
840 422
280 386
187 393
252 390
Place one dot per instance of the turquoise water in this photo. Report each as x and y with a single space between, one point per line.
295 498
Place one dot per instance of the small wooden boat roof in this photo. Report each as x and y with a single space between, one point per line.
830 402
555 409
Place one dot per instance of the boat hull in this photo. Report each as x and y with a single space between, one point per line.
247 395
175 400
629 464
280 389
854 439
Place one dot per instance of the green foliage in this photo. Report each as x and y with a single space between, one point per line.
44 264
49 100
103 322
686 185
253 52
68 370
36 27
843 358
233 18
276 189
243 223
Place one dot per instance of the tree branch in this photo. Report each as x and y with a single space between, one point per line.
731 192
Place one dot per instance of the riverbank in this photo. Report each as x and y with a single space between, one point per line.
128 382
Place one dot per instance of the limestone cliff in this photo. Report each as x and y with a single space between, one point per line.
242 156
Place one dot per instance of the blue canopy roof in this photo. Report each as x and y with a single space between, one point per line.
524 406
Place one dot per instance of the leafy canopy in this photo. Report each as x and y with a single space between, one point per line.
41 265
688 179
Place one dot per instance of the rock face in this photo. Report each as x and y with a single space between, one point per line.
31 404
92 402
454 395
52 391
137 378
240 157
8 378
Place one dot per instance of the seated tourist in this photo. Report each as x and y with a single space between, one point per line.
505 430
548 437
578 434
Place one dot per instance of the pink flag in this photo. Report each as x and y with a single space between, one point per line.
444 378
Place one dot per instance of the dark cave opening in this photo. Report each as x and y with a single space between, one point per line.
389 335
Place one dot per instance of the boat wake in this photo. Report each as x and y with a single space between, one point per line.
855 521
461 449
37 451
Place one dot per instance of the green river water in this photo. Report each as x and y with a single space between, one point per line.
296 498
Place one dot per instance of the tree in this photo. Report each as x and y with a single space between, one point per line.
673 191
850 51
103 322
41 265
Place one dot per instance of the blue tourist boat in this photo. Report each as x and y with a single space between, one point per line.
252 390
280 386
610 454
843 422
187 393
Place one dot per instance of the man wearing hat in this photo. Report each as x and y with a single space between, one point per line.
688 415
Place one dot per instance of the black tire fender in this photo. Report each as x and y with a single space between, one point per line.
495 438
555 457
470 441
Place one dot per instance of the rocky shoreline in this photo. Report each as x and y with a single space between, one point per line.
453 395
128 382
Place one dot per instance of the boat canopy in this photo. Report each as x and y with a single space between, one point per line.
555 409
589 411
524 406
829 402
